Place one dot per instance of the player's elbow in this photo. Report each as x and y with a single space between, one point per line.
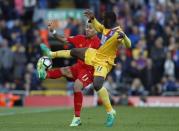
128 44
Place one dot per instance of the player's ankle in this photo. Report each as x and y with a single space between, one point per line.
50 53
110 111
77 116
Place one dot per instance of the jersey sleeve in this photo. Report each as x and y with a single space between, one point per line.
126 42
96 43
74 40
97 25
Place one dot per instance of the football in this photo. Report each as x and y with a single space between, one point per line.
47 62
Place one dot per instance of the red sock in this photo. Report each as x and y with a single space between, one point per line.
78 99
54 73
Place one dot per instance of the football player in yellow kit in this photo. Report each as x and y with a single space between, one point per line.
102 59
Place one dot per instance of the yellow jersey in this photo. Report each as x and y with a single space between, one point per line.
109 41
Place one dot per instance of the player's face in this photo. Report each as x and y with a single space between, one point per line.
109 19
90 31
106 22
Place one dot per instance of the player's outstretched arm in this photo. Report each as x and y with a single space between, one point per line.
60 38
97 25
124 39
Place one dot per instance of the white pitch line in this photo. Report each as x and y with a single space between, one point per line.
32 111
7 113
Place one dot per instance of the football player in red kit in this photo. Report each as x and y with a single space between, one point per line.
81 73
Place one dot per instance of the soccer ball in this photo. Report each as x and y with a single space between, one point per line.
46 61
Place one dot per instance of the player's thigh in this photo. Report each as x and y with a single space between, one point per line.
90 55
85 76
78 53
66 71
75 69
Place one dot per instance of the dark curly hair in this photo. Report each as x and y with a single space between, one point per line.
109 19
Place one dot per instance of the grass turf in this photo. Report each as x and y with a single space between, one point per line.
58 119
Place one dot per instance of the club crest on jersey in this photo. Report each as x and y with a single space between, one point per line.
106 37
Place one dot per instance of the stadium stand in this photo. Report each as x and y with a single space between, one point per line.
151 67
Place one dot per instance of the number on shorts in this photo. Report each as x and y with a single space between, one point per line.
99 68
85 77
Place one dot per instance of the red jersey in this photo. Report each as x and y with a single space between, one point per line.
80 41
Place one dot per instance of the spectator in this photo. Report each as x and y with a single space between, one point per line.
117 73
19 61
176 60
6 62
31 79
112 89
134 36
158 57
137 88
169 66
148 75
151 25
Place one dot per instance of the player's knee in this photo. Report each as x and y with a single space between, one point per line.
77 89
78 53
74 52
66 72
98 83
78 85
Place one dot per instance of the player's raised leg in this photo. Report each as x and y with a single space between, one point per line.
52 73
47 52
75 52
78 53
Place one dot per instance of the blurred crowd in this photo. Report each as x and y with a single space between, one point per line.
19 45
151 67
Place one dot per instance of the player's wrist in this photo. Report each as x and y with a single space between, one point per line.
91 19
122 35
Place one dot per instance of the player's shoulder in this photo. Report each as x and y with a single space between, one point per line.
77 37
96 38
80 36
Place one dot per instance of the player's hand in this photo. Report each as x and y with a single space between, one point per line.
121 36
89 14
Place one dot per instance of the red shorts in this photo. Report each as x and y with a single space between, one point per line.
84 74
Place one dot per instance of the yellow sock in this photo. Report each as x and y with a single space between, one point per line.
61 53
104 96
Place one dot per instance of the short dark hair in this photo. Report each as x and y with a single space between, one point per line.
109 19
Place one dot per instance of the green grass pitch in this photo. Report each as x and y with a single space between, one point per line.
58 119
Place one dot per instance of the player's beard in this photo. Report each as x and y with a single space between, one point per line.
88 35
